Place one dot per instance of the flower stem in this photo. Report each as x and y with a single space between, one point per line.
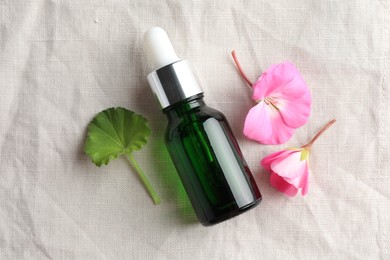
243 75
309 144
144 179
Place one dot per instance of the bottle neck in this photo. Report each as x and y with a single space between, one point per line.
181 108
174 83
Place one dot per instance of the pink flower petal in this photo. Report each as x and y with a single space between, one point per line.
290 167
266 162
305 182
265 125
293 89
263 84
280 184
283 78
299 180
257 124
281 133
295 113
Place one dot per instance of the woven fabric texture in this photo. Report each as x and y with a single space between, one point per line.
63 61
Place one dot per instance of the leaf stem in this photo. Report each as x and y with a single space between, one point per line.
153 194
243 75
309 144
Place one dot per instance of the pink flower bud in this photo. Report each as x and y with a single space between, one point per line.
289 170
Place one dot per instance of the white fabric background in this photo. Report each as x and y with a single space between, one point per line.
61 62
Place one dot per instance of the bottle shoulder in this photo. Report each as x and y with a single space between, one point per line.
178 124
198 114
206 112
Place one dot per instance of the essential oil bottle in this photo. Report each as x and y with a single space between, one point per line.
199 140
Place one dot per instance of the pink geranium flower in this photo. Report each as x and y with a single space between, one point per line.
290 168
284 104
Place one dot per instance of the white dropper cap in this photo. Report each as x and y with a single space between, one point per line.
173 79
159 47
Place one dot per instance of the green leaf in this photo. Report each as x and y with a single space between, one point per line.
113 132
118 131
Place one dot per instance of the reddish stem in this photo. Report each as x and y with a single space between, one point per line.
308 145
243 75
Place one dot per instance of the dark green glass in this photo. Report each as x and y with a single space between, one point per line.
209 161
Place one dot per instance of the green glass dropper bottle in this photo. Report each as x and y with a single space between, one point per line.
199 140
